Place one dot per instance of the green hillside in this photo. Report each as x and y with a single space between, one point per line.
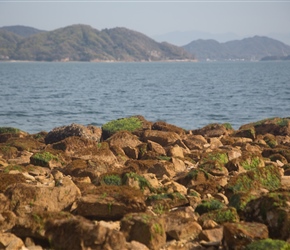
84 43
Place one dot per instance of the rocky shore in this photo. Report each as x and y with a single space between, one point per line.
135 184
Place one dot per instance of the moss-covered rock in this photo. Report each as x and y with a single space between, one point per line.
130 124
43 159
268 244
268 177
209 205
241 234
273 210
220 216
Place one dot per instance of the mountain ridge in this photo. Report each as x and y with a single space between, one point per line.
247 49
81 42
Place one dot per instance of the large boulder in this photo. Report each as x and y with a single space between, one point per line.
88 132
161 137
27 198
145 228
272 210
79 233
214 130
110 202
238 235
274 126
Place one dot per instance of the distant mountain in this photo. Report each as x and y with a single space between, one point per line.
181 38
84 43
249 49
20 30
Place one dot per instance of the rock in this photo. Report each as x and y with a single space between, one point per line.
220 216
241 234
179 228
124 139
26 198
272 210
9 179
144 228
88 132
9 241
194 141
76 146
156 148
274 126
213 235
175 151
7 220
178 165
82 234
173 186
163 126
161 137
213 130
164 202
110 203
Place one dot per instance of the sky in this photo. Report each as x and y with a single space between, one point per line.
153 17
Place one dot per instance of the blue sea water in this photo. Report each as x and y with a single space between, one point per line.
39 96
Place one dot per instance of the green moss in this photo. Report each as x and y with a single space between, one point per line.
216 156
283 122
192 175
267 177
171 196
221 215
228 126
250 164
9 130
158 228
111 179
240 200
128 124
159 209
43 158
164 158
269 244
209 205
143 183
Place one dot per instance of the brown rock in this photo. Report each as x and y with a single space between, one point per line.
161 137
212 130
27 198
110 202
7 220
175 151
194 141
88 132
213 235
82 234
272 210
179 228
163 126
9 241
145 228
155 147
238 235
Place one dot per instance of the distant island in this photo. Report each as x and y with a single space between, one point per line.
84 43
249 49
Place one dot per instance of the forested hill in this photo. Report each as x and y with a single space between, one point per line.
253 48
84 43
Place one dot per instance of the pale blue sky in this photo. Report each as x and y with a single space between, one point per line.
245 18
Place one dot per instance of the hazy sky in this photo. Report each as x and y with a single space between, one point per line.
153 17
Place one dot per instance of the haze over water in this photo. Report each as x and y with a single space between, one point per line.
40 96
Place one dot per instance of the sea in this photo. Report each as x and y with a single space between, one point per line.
39 96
